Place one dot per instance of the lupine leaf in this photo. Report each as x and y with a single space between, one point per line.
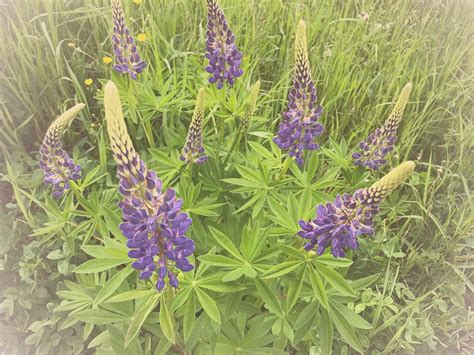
208 305
225 242
112 284
346 331
281 269
99 316
326 333
130 295
318 288
329 259
353 318
166 323
189 316
268 296
294 290
220 260
335 280
140 316
98 265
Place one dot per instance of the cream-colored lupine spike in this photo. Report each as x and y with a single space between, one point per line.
122 146
252 105
59 125
198 114
395 117
195 127
302 68
394 178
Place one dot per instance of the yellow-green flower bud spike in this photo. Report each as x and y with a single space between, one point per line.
59 125
393 121
122 147
302 68
198 115
251 106
393 179
193 151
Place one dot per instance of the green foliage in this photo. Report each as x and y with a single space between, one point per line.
68 284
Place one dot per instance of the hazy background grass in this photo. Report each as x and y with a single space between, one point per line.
362 53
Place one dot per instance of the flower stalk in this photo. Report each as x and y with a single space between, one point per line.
381 142
338 225
152 220
59 169
300 125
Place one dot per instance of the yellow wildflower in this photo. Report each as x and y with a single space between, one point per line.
107 60
141 37
137 2
88 82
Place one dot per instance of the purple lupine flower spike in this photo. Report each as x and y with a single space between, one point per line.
59 169
152 220
193 150
127 59
300 127
338 225
381 142
222 53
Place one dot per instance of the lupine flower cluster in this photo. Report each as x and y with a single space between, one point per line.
222 53
152 219
381 142
252 105
59 169
127 59
300 127
193 151
338 225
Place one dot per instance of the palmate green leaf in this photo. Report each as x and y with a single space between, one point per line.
223 287
282 269
253 240
294 290
282 217
326 336
111 285
113 221
335 280
233 275
99 316
220 260
264 153
130 295
269 297
116 336
98 251
139 317
346 331
98 265
189 316
364 282
209 305
307 314
166 322
256 199
353 318
225 243
252 185
318 287
252 174
330 260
